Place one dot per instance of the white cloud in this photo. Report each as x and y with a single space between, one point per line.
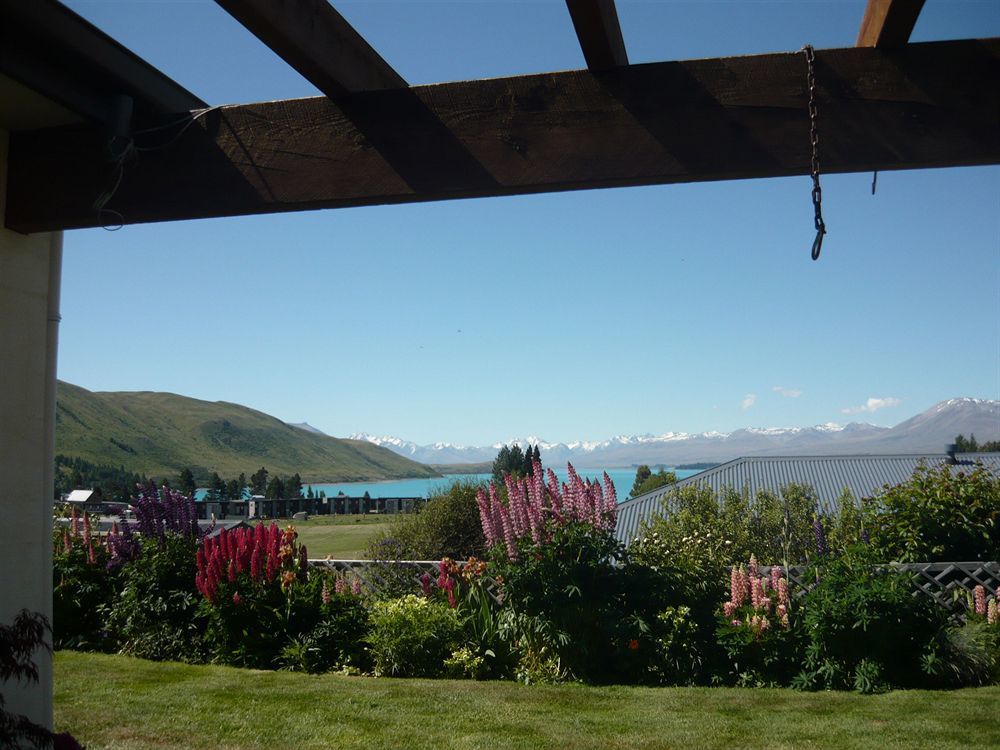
873 404
787 392
749 400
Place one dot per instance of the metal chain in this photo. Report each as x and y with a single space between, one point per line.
817 191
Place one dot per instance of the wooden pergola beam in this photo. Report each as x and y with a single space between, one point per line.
312 37
600 35
888 23
924 105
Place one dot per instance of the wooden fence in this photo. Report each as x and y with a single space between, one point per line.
946 582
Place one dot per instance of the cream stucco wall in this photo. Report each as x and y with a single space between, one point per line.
29 304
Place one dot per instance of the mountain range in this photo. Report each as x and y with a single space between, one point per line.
928 432
160 434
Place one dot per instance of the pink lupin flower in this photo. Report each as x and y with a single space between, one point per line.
425 583
783 592
237 599
86 529
74 522
325 593
485 518
992 612
754 572
740 589
728 609
979 595
340 585
356 586
67 544
756 592
775 576
90 553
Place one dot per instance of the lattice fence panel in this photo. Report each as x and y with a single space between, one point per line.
946 582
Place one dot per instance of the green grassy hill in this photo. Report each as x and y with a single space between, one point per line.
159 434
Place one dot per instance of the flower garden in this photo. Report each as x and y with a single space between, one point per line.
557 600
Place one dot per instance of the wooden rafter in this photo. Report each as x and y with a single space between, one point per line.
924 105
600 35
312 37
888 23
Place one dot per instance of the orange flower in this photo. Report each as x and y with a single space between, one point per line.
633 645
287 579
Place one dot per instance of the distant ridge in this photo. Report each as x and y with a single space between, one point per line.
305 426
927 432
159 434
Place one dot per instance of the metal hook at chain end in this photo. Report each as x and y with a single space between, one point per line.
818 243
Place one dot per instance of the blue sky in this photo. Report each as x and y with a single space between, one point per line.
567 316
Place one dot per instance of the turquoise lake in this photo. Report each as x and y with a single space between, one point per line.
622 479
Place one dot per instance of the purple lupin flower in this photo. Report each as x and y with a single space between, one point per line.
821 548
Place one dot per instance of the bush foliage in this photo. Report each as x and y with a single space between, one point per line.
447 526
943 513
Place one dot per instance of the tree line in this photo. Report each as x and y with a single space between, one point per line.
118 484
971 445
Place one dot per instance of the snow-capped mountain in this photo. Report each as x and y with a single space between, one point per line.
927 432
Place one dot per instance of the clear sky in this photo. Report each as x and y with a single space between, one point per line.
568 316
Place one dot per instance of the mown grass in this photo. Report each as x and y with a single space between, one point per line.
121 703
341 537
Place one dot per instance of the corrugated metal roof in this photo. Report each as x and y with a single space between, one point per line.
828 476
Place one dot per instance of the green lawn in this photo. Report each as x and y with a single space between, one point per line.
122 703
340 537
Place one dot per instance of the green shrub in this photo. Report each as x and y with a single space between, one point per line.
939 514
447 526
775 527
861 621
156 614
412 636
568 596
689 573
488 651
83 588
335 642
970 655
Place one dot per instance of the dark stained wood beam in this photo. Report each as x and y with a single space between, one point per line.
312 37
600 35
888 23
53 51
924 105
